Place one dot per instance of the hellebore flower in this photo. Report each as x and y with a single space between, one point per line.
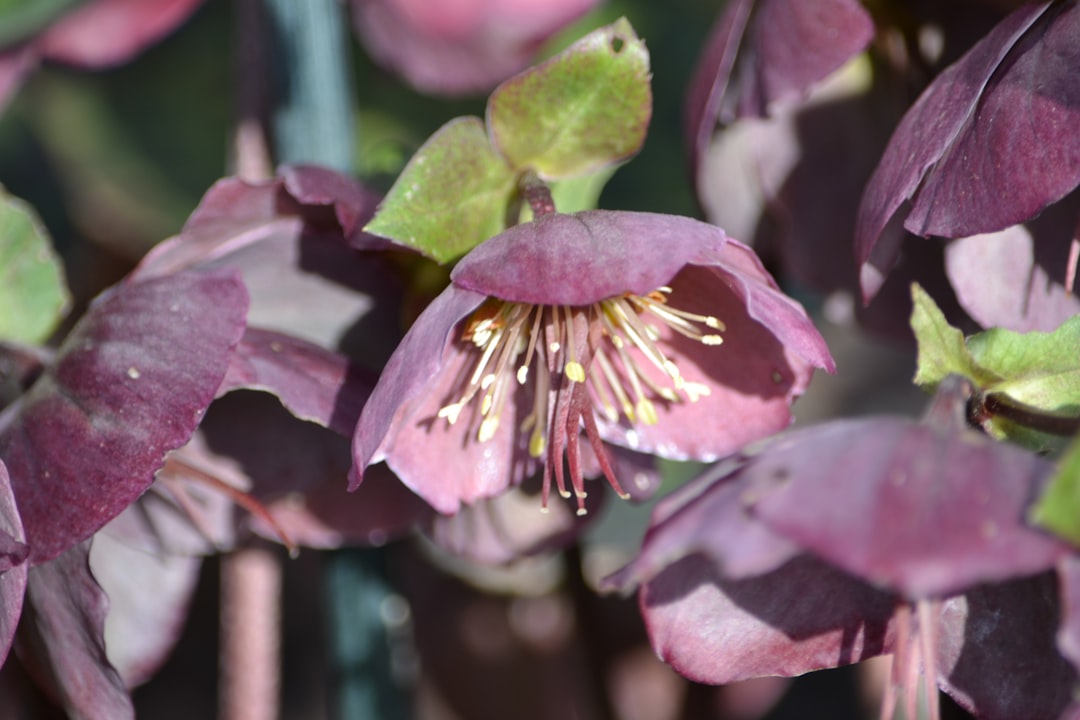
654 332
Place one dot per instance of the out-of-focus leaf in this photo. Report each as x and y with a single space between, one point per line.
583 110
142 625
20 19
129 384
12 566
990 143
942 351
62 638
33 295
1058 509
451 196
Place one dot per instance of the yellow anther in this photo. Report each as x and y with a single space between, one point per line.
488 428
575 371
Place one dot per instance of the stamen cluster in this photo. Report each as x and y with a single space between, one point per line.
576 347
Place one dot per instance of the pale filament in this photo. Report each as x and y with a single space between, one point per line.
513 337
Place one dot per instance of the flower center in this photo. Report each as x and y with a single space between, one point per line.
567 349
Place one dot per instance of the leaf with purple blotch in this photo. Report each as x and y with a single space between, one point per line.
583 110
765 51
13 554
61 639
990 143
130 383
149 594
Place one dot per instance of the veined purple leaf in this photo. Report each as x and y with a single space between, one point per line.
990 143
314 383
61 638
764 51
148 596
129 384
13 554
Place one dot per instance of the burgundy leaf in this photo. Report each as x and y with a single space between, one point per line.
997 656
907 506
130 383
314 383
990 143
12 565
61 639
766 51
148 596
109 32
803 616
455 48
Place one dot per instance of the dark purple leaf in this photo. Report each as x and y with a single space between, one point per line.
767 51
455 48
148 596
102 33
130 383
803 616
12 565
314 383
61 639
911 507
990 143
996 652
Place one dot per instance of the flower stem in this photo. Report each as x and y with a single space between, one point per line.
536 193
987 405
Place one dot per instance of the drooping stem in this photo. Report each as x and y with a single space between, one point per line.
536 193
988 405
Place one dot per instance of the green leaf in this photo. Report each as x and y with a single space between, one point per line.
452 195
1039 369
942 350
582 110
33 296
20 19
1058 510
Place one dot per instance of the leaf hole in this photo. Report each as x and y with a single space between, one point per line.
617 44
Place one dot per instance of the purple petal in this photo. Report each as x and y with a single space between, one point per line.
907 506
455 48
991 141
1068 636
997 655
587 257
1001 283
708 516
12 565
109 32
15 64
130 383
149 594
801 617
403 386
61 639
314 383
350 203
